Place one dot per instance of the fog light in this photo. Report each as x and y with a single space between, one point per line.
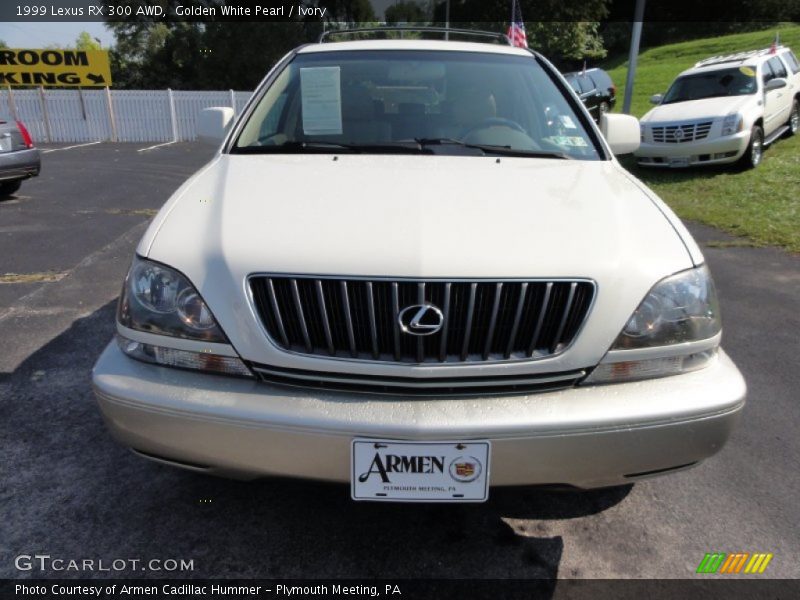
183 359
649 368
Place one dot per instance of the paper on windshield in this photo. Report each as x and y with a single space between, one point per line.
567 122
321 91
568 140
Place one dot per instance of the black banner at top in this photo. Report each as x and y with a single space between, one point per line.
461 12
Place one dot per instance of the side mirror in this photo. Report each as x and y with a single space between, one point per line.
775 84
656 98
213 124
621 132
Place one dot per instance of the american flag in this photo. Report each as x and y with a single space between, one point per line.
516 31
773 49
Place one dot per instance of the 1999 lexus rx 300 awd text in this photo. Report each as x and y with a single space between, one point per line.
416 266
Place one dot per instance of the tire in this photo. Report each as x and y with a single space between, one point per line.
794 119
9 187
754 154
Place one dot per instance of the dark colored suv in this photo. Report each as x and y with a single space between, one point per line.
595 89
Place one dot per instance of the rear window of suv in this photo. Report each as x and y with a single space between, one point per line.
587 85
602 79
778 70
791 60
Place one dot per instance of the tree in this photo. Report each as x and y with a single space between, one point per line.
565 32
407 11
348 12
84 41
237 56
152 53
566 42
681 20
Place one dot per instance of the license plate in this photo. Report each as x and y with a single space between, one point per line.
5 144
386 470
682 161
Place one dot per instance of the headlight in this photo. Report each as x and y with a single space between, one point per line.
680 308
674 330
732 124
157 299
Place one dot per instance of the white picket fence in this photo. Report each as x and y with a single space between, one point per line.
114 115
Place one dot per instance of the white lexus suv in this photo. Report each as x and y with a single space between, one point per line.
725 109
417 267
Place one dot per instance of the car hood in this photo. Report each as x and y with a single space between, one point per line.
706 108
413 216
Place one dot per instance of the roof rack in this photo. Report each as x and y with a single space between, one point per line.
497 37
739 56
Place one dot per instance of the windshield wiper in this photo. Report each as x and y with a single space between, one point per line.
418 146
493 149
321 146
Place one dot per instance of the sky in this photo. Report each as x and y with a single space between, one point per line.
39 35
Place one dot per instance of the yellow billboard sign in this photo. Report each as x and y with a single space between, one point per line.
54 67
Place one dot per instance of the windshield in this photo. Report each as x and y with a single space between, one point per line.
418 102
726 82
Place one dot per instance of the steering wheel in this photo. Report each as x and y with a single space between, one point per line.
494 122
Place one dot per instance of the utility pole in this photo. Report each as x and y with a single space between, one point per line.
636 37
447 19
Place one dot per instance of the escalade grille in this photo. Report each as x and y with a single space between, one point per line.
480 320
678 134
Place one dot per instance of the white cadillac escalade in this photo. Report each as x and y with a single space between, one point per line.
725 109
417 267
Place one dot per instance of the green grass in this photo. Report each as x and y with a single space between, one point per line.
761 204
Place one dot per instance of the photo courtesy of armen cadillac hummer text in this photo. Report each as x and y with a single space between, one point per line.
416 266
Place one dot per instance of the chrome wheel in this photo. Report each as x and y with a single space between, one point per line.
794 120
756 149
752 156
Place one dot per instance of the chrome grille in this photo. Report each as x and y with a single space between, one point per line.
495 385
482 320
680 133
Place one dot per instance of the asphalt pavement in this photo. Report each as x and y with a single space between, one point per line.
69 491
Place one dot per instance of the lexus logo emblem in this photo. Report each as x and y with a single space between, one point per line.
421 319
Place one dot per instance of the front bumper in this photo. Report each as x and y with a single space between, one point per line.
717 150
20 164
586 437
